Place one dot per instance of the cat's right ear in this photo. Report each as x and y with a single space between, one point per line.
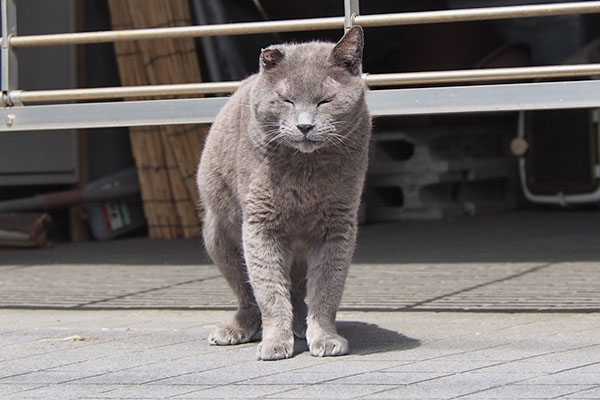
270 58
347 53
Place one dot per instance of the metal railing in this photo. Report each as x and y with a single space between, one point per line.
15 116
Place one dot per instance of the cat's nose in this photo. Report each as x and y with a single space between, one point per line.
304 128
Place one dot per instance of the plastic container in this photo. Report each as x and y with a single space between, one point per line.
113 218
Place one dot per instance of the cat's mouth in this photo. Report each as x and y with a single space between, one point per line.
307 144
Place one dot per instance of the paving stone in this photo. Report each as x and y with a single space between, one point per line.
439 366
147 391
593 393
330 391
297 378
529 391
67 391
253 391
429 390
566 378
387 378
45 377
7 389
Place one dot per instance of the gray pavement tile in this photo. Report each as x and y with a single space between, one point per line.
297 378
228 374
110 364
567 378
528 391
7 389
45 377
67 391
134 376
253 391
439 366
534 365
387 378
429 390
594 367
150 391
491 379
329 391
593 393
351 366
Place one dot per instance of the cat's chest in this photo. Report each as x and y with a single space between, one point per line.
301 194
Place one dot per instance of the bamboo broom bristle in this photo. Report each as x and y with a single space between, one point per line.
166 156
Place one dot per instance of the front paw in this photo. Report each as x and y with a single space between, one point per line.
329 344
229 335
272 349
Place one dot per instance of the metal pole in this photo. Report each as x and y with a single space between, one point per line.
123 92
9 70
395 79
423 17
244 28
351 10
478 14
482 75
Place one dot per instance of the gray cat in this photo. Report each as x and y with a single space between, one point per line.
280 181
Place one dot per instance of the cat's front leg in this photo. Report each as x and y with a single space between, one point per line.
327 271
268 260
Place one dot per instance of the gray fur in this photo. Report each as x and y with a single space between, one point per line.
281 205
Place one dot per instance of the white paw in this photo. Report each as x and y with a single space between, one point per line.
275 349
228 335
329 345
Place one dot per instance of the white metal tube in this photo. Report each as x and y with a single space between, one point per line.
482 75
243 28
409 78
478 14
41 96
422 17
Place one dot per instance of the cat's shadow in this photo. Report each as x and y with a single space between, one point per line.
365 338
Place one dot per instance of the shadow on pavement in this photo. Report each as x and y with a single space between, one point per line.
365 338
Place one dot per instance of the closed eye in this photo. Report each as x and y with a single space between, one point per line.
323 102
288 101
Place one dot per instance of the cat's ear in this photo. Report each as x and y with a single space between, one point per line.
270 57
347 53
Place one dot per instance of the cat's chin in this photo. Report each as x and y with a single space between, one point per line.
306 146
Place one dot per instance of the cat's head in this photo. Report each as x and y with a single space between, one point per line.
308 95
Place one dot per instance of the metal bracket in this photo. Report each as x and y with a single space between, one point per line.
351 10
8 68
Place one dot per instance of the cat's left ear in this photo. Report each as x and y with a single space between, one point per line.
347 53
270 58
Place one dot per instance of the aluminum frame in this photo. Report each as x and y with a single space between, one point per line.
442 100
382 102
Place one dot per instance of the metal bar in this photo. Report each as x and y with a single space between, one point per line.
124 92
351 10
479 14
482 75
410 78
444 100
244 28
8 68
411 18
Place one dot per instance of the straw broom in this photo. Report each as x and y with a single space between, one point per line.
177 152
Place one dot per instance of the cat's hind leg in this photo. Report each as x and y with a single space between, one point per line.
228 256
